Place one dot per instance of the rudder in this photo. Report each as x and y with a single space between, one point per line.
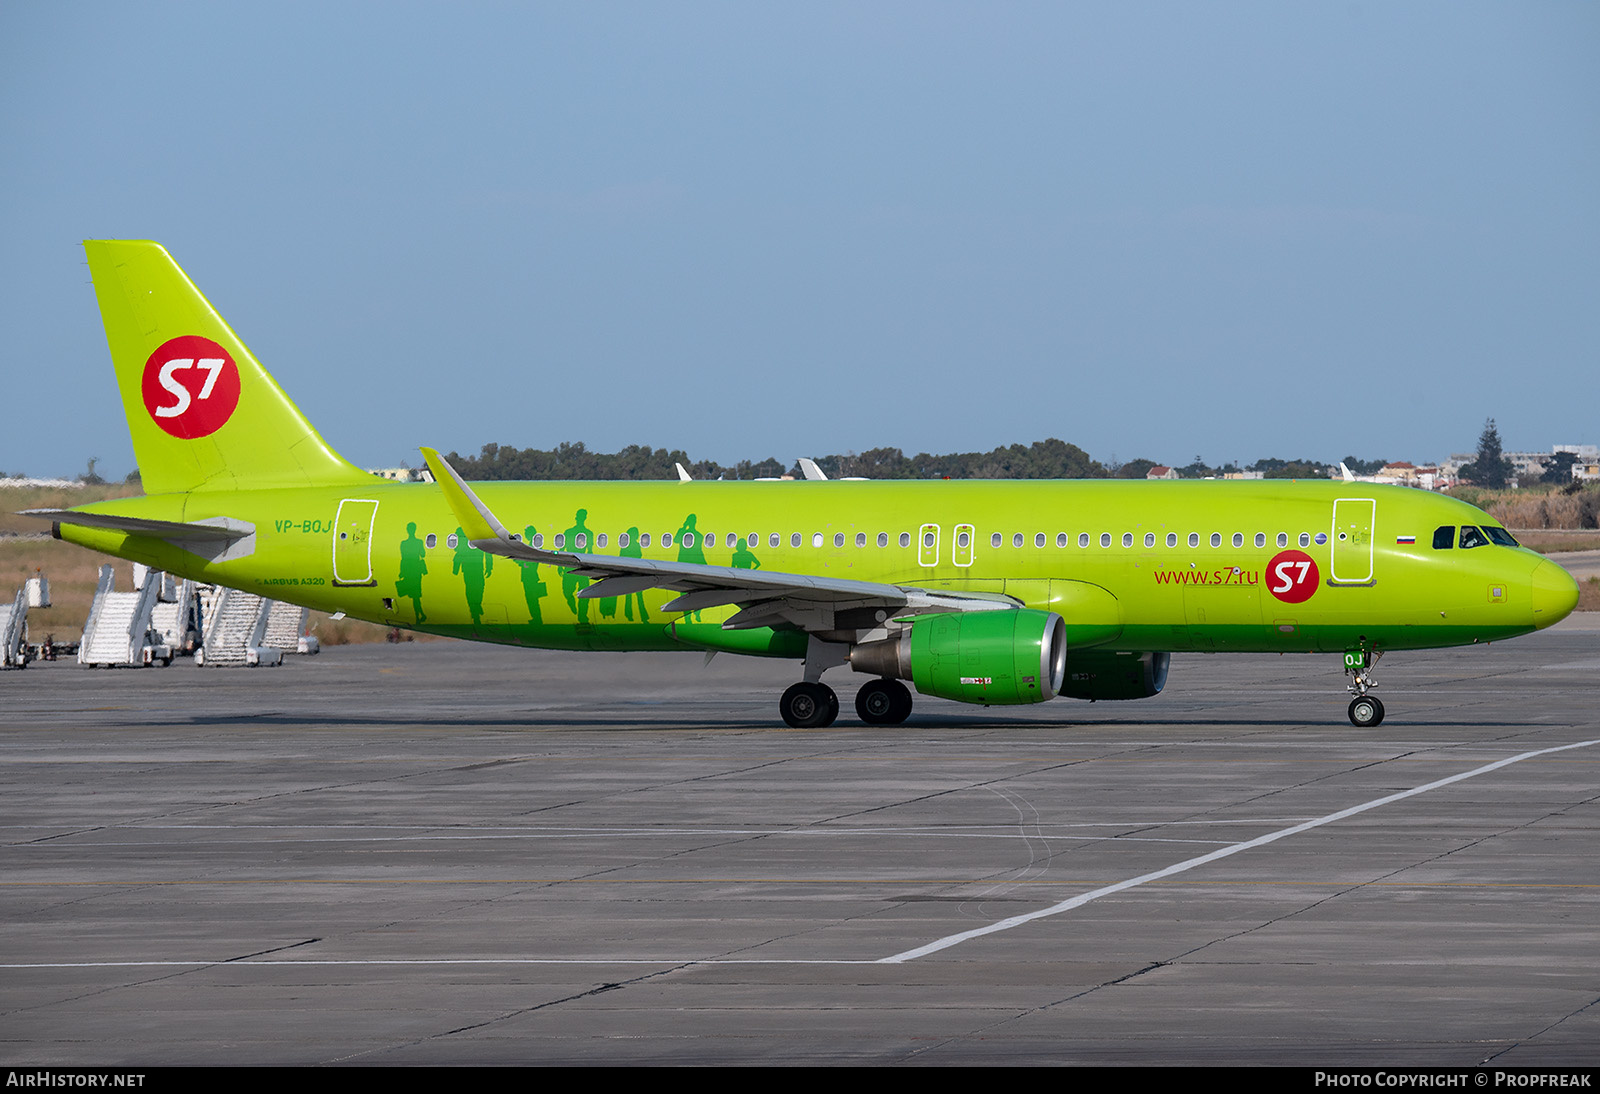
203 413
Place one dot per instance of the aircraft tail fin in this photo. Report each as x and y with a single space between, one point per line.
203 413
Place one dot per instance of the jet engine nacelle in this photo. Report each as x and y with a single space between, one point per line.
993 657
1093 675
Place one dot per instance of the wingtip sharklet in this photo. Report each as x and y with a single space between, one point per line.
477 521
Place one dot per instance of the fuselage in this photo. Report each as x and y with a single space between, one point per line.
1210 566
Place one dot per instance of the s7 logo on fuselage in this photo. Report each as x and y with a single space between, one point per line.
1292 576
190 387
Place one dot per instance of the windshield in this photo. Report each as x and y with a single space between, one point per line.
1471 537
1500 536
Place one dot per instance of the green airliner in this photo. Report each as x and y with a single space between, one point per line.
990 593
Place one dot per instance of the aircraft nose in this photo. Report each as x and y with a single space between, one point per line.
1555 594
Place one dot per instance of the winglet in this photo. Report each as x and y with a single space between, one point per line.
809 468
683 476
1345 471
476 519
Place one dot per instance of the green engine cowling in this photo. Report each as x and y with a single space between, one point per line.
995 658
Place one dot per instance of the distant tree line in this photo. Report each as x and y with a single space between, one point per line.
1047 459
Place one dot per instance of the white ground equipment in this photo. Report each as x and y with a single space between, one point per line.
119 631
14 632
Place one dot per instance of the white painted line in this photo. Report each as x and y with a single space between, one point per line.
202 963
1201 860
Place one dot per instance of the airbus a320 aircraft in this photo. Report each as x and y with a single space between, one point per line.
989 593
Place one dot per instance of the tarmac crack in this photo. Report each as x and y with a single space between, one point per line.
1540 1033
600 989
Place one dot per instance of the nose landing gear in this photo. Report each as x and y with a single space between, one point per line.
1366 711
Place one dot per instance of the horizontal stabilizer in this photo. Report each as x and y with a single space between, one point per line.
215 529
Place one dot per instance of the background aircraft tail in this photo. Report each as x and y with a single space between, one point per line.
203 413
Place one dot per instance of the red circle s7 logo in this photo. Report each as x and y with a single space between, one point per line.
191 386
1292 576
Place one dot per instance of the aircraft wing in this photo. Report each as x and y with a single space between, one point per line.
765 597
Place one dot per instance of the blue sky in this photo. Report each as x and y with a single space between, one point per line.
1228 229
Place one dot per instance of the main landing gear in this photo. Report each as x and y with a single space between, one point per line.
812 704
1366 711
883 702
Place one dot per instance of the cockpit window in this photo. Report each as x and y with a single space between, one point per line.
1444 538
1500 536
1471 537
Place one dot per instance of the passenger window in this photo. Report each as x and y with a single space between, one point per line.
1038 539
1444 537
927 539
1061 539
1216 539
1261 539
861 539
794 539
644 539
963 539
1305 540
1105 539
994 540
1283 539
1172 539
1016 540
600 540
1083 539
1194 539
838 539
883 539
772 540
432 540
1149 539
666 539
622 540
1471 537
1127 539
538 539
561 540
905 539
1238 539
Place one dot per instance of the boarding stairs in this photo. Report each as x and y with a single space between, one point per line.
176 616
118 629
14 632
235 633
286 625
